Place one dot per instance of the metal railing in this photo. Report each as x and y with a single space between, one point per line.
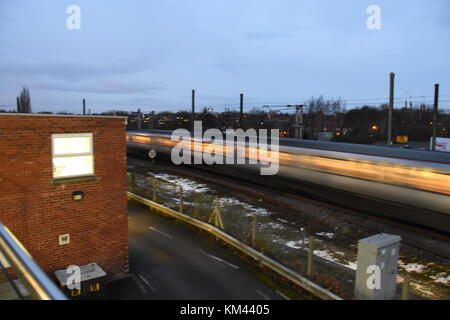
20 276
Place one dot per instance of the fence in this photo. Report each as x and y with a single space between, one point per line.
250 226
309 259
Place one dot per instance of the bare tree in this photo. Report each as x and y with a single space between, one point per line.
23 101
323 115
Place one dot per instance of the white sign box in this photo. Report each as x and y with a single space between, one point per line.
442 144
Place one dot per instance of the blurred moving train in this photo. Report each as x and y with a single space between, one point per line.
408 185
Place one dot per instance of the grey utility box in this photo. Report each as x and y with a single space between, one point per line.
376 275
92 280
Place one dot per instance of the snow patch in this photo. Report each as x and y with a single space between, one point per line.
441 278
275 225
329 235
412 267
186 184
251 209
295 244
329 256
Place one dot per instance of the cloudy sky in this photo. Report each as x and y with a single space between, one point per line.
150 54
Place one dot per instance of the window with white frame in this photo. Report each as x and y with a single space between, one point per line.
73 155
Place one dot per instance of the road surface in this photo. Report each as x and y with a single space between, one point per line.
168 260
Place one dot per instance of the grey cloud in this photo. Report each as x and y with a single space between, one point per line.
72 71
101 87
156 51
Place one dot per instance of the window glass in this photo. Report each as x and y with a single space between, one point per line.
71 145
72 166
72 155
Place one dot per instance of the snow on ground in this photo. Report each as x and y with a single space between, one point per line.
295 244
412 267
327 255
441 278
324 254
186 184
274 225
193 186
329 235
177 202
251 210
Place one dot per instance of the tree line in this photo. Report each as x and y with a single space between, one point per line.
322 119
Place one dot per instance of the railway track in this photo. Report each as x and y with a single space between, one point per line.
406 185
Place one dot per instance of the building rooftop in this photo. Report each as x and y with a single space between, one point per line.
59 115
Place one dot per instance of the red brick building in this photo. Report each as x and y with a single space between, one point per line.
63 188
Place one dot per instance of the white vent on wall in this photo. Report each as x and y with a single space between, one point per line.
64 239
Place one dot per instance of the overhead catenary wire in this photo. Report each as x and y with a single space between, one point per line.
282 104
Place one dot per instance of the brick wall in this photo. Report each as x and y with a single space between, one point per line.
37 210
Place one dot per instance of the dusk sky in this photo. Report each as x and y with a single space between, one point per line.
151 54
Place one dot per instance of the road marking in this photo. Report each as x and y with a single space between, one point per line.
163 233
220 264
219 259
147 282
136 280
283 295
223 261
262 295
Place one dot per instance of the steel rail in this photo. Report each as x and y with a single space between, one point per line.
32 276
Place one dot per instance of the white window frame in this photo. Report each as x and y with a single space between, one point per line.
67 155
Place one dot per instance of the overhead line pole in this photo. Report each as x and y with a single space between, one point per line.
390 110
298 125
139 119
299 122
435 116
241 112
193 110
